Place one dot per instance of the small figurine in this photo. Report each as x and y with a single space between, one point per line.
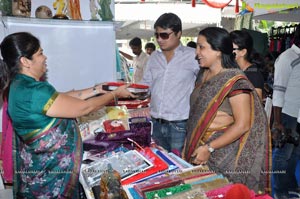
110 185
93 10
60 7
73 9
21 8
105 11
43 12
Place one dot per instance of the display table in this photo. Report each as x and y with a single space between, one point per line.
121 139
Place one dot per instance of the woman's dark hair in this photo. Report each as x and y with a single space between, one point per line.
192 44
244 41
169 20
13 47
219 40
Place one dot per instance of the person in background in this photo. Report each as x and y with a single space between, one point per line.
192 44
170 75
139 61
227 127
47 143
149 48
245 57
286 104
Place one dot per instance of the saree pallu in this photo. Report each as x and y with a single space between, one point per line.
6 145
47 162
246 160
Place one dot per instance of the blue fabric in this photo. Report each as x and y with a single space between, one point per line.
170 136
298 172
134 194
119 68
285 162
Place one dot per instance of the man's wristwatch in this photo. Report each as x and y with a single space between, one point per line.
210 149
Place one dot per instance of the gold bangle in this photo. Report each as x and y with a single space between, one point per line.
114 96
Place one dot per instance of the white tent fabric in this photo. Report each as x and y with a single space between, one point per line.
262 7
289 15
276 10
151 11
139 18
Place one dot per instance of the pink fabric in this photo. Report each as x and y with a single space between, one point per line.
6 146
228 191
219 191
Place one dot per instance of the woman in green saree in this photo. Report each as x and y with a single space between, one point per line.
227 127
47 148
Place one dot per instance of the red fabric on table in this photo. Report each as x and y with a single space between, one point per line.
158 166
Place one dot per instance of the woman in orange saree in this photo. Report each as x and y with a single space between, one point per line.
227 127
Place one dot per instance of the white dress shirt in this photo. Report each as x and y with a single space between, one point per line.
139 65
171 84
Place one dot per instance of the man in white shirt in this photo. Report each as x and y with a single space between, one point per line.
170 73
139 61
286 104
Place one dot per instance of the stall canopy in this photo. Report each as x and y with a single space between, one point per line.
288 15
138 18
276 10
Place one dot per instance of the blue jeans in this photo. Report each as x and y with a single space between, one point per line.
170 136
285 162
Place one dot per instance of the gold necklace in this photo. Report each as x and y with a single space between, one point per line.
211 76
205 78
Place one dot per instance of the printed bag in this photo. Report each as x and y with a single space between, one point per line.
140 133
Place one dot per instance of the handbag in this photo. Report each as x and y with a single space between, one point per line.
138 135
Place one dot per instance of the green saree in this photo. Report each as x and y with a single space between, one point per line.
246 160
47 152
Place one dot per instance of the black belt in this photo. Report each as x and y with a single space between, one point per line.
163 121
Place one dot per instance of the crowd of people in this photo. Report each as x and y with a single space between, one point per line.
206 106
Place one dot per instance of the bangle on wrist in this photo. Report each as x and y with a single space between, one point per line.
114 96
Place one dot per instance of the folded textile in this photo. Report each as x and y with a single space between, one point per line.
140 133
163 193
194 193
156 183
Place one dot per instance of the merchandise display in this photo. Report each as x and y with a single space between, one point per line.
134 88
127 164
121 140
138 89
171 191
116 125
155 183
